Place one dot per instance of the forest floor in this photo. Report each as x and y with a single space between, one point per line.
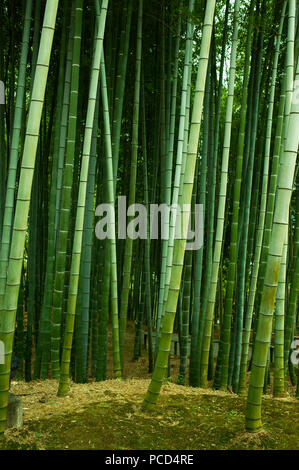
108 415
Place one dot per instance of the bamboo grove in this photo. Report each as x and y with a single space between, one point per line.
174 102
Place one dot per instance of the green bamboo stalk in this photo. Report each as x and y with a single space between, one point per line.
112 260
243 243
132 194
289 77
147 274
14 154
197 336
8 314
221 206
184 116
43 343
263 207
179 248
225 328
279 382
64 117
279 231
84 307
66 197
77 244
120 87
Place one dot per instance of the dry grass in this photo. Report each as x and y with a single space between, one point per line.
108 415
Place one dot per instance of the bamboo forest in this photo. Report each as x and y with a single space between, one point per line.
149 225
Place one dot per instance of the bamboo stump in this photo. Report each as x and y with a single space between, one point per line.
14 418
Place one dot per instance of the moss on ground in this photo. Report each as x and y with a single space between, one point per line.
198 420
107 415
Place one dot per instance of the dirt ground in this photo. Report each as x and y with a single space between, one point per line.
108 415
